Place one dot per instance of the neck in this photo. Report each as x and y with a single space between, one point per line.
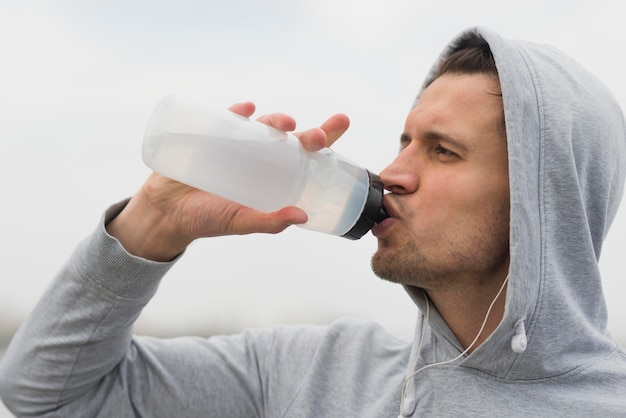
467 309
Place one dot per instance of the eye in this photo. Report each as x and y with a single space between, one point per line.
445 152
405 140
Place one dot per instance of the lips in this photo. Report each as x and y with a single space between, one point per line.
388 206
380 228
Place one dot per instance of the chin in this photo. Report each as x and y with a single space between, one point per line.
402 264
384 265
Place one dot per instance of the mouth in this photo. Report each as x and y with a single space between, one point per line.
388 207
379 229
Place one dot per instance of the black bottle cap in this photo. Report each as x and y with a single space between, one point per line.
373 211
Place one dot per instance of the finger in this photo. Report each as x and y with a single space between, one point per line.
326 135
245 109
281 219
313 139
334 127
279 121
271 223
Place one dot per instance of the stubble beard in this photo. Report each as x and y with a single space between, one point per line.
406 266
479 255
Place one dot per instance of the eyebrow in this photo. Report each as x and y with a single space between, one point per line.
436 136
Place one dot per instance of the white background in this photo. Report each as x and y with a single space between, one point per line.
78 82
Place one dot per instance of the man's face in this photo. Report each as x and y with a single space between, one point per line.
449 200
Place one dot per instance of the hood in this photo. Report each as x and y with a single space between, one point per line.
567 153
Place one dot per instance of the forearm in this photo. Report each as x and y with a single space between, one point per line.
80 329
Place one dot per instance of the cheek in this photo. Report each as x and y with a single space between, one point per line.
468 195
488 204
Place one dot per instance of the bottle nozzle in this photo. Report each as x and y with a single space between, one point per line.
381 215
373 212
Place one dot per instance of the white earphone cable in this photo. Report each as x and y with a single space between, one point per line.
469 347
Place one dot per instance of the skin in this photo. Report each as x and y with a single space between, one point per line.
165 216
449 203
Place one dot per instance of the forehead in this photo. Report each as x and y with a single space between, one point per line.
459 105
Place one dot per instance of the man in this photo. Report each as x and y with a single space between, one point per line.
511 170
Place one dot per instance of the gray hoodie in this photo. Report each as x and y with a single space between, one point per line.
551 355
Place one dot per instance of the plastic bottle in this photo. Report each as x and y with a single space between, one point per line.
260 167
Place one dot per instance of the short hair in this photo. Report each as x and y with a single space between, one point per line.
475 59
469 60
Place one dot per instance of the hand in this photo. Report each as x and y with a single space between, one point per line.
165 216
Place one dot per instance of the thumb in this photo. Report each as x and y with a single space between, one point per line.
278 221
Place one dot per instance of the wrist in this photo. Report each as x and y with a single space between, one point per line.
145 232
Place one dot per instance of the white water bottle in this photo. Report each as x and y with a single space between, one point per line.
260 167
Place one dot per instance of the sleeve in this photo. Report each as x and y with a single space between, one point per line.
75 355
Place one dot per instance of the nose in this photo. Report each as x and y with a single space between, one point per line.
401 176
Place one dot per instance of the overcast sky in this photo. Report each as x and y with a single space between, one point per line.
80 79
